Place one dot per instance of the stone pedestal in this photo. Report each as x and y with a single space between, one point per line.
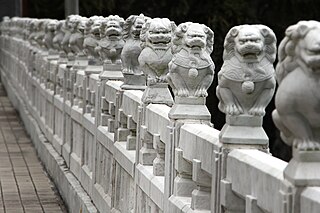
71 60
80 62
52 56
192 108
157 94
93 69
111 72
62 58
244 130
134 81
303 168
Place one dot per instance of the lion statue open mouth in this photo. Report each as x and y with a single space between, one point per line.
246 79
111 42
297 101
191 68
132 48
156 35
92 37
77 36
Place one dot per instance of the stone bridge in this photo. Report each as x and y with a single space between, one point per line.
110 146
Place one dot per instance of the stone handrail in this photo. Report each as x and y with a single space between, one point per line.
115 140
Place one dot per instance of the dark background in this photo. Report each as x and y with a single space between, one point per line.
220 16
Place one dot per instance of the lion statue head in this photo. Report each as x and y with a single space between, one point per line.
250 42
92 26
112 27
193 36
300 47
133 26
50 28
59 34
157 33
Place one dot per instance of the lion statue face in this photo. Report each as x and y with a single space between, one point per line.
133 26
250 43
297 74
157 33
299 48
193 36
136 27
310 50
95 28
52 25
112 27
81 25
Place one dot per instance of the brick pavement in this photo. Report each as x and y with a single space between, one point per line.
24 186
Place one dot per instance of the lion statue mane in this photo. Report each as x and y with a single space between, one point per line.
246 81
298 75
92 37
132 48
77 35
156 35
191 68
111 42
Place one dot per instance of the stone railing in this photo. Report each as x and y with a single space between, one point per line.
114 140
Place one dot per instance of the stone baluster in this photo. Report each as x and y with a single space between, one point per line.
111 120
244 93
201 195
105 115
147 153
183 184
87 95
132 137
110 47
133 76
156 36
190 75
91 43
92 102
122 130
296 114
246 84
71 35
191 72
159 161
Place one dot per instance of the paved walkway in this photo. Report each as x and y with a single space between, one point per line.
24 186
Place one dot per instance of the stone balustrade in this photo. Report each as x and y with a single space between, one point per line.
117 141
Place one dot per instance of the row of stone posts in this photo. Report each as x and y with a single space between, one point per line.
149 54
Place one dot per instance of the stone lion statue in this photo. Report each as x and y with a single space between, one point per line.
40 32
111 42
67 28
156 35
191 68
77 35
32 31
92 37
297 113
59 34
246 81
132 48
50 28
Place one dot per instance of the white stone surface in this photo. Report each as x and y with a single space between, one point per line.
95 171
